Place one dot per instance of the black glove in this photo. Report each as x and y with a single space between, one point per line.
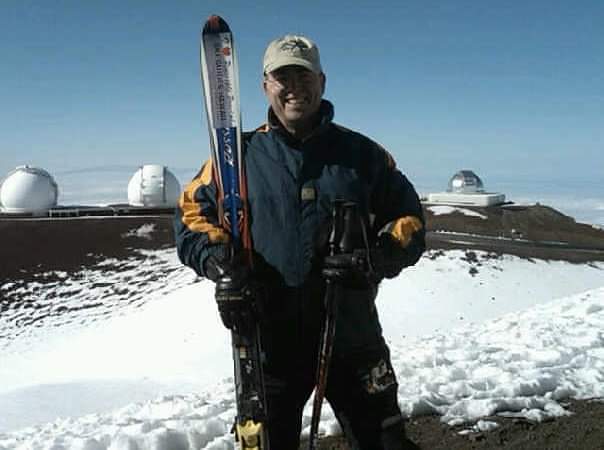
349 268
389 257
234 291
385 260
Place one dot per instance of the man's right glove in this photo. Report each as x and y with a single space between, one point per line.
234 294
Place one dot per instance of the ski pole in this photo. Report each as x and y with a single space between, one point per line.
336 239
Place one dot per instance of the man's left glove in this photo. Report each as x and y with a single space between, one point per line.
348 268
385 260
234 293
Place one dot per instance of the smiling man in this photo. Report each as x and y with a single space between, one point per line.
294 83
297 164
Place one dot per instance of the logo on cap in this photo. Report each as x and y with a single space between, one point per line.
292 46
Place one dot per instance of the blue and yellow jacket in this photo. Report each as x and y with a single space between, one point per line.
291 186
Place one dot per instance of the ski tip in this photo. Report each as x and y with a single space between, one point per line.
216 24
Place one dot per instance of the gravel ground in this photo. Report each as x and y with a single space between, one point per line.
583 430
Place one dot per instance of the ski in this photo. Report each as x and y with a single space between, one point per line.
219 76
221 92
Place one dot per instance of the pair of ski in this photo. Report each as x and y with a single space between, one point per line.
221 91
220 81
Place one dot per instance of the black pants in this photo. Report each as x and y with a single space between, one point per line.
361 388
363 394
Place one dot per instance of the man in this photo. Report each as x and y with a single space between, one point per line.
297 165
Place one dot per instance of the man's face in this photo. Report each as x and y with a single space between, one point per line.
295 94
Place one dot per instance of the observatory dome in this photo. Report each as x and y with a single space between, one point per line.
28 190
465 182
153 185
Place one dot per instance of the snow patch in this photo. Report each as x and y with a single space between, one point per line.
480 426
444 209
524 361
145 231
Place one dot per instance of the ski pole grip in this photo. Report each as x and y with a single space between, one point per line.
351 226
337 225
346 223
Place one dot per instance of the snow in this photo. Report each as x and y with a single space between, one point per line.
144 231
481 425
524 361
472 335
446 209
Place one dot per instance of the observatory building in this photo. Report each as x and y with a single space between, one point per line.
32 192
28 190
153 186
466 188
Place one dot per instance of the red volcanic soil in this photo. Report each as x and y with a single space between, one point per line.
32 245
536 223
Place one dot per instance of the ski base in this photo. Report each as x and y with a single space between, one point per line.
251 433
250 436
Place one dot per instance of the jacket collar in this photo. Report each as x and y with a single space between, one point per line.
326 113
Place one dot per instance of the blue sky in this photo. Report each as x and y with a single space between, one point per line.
514 90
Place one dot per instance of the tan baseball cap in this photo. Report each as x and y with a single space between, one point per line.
292 50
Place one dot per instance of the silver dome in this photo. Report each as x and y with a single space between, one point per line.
465 182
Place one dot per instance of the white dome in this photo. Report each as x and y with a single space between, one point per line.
28 190
153 185
465 182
